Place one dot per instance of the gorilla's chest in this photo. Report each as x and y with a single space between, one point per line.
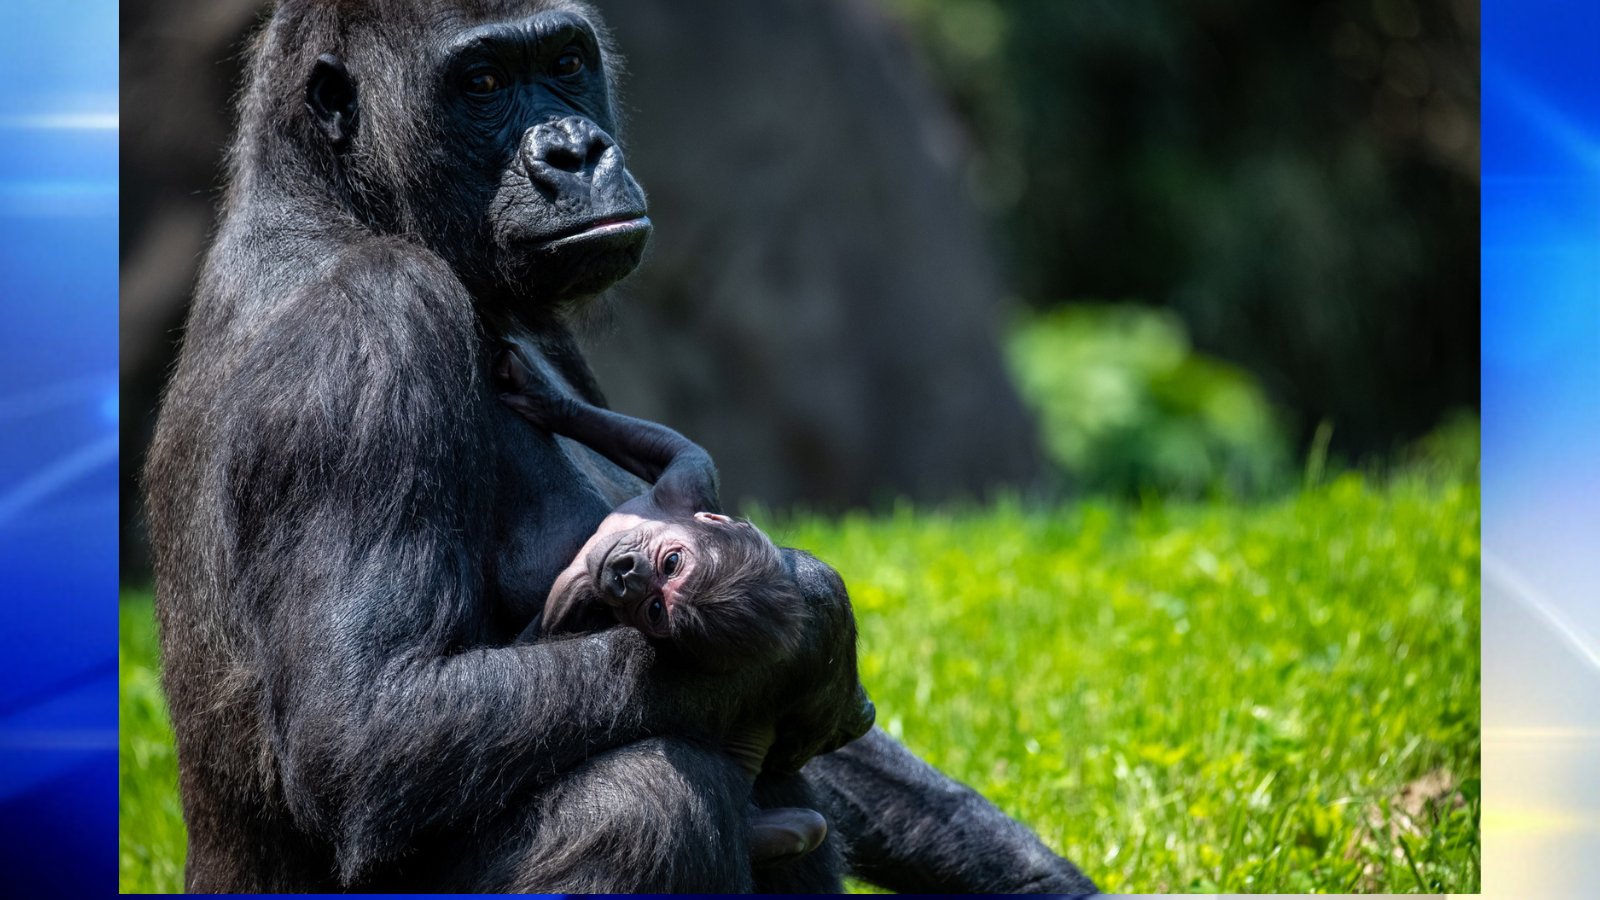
551 494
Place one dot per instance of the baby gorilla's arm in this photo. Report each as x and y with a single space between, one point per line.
684 477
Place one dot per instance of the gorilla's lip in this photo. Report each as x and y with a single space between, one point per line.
609 227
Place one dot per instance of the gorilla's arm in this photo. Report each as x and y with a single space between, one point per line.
355 462
912 829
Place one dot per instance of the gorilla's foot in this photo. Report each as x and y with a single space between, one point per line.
785 834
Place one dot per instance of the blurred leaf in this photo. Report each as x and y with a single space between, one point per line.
1126 405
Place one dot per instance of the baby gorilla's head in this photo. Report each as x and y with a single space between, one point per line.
711 587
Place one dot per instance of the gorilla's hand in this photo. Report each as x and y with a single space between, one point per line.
857 725
750 743
826 705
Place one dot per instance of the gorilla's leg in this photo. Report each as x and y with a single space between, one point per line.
815 873
907 827
658 816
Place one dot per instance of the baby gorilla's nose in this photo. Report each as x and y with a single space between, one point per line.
625 576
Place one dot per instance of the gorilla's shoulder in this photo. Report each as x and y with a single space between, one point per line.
377 346
382 302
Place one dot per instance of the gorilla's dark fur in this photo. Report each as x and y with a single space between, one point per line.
350 529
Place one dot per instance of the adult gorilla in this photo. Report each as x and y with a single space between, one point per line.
349 528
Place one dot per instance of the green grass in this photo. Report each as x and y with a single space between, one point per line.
1183 697
150 836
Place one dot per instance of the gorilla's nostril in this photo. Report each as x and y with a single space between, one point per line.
564 158
574 146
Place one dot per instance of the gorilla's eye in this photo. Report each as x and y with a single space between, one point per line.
655 612
672 563
482 83
569 64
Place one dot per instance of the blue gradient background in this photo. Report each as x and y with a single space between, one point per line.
58 447
1541 436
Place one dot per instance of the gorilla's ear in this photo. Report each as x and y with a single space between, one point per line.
331 97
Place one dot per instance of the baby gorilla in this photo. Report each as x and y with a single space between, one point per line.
709 589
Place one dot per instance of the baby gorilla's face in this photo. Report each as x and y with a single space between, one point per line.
717 592
640 572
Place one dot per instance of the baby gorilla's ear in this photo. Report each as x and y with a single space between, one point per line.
718 518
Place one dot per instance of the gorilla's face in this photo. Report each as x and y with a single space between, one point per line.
530 111
515 177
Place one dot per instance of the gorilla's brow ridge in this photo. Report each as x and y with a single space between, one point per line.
532 38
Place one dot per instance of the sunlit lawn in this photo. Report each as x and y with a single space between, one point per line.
1184 697
150 839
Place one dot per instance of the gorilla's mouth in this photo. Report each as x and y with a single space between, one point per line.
609 228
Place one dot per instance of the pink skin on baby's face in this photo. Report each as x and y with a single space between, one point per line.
635 565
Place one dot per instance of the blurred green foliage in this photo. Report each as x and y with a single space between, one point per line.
1297 180
1450 452
1125 405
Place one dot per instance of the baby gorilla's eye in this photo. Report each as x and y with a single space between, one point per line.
655 613
569 64
482 83
672 563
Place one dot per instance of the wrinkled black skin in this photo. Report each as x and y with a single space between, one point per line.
349 529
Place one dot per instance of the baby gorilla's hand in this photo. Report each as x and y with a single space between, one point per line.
536 400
